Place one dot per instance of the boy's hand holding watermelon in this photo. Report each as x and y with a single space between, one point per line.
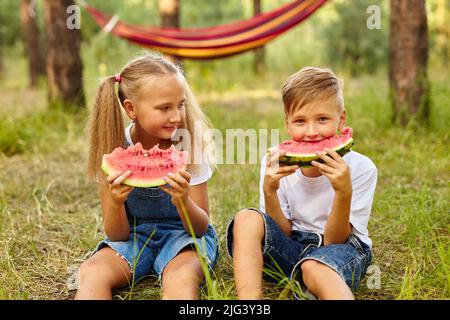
274 172
336 170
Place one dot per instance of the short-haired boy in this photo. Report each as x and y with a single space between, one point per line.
312 222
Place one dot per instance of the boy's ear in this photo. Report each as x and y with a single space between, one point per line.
342 120
129 109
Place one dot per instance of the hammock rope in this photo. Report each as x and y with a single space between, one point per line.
212 42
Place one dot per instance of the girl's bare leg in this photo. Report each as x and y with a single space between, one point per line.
101 273
182 276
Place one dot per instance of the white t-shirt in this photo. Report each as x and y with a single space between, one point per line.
204 172
307 202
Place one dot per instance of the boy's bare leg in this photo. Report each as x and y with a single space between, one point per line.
324 282
248 233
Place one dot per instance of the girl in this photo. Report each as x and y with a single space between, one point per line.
147 229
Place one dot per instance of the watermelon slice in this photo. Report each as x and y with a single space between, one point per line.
148 167
303 152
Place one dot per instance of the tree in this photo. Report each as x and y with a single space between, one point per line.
259 64
408 55
169 13
30 36
64 65
349 42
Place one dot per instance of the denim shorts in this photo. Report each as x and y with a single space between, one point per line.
283 255
157 235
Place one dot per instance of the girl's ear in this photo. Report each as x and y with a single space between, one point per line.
129 109
342 120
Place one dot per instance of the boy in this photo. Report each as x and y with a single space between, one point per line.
312 222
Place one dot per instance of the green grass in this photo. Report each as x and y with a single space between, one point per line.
50 218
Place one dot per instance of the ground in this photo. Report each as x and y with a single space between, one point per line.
50 218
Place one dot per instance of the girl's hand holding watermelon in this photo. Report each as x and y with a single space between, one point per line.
274 172
335 169
118 192
179 185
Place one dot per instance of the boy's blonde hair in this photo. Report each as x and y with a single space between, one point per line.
106 123
311 84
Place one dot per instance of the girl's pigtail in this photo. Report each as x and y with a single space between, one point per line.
106 128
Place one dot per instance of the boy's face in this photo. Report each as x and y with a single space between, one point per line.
315 121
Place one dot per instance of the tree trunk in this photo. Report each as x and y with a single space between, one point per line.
169 12
259 63
30 35
408 55
64 65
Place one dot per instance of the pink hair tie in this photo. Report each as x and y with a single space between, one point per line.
118 78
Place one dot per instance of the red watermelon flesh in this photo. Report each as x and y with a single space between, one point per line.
147 167
303 152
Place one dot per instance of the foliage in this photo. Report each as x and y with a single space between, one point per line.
9 22
337 32
439 30
350 44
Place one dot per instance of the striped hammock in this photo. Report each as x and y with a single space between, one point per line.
213 42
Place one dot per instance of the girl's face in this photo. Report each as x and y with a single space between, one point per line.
315 121
160 108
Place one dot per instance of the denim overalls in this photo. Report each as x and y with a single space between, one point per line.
284 255
157 234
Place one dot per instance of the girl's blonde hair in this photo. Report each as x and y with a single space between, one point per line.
106 124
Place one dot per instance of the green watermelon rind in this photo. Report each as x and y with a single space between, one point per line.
304 160
133 182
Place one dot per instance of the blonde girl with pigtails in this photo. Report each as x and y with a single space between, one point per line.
148 229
